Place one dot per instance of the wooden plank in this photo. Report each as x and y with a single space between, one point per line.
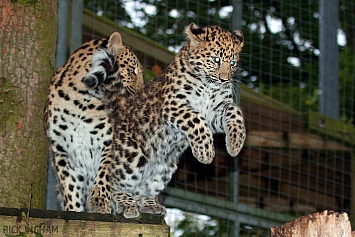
257 187
307 179
267 114
129 37
331 128
291 140
249 95
255 159
254 188
13 221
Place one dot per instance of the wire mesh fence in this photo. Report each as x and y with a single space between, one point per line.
296 160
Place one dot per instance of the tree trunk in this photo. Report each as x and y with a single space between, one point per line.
320 224
27 42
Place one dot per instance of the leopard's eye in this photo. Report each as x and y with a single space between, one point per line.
216 60
232 63
131 69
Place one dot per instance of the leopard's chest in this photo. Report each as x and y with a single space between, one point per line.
78 125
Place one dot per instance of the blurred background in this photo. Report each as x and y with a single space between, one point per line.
296 86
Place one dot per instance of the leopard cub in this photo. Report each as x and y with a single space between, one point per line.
183 107
76 116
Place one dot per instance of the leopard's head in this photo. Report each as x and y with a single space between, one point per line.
115 63
214 54
130 68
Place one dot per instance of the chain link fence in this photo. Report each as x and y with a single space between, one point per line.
298 106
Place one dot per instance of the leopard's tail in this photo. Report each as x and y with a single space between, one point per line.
105 70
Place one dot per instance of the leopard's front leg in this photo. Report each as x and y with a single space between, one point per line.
100 198
234 128
199 136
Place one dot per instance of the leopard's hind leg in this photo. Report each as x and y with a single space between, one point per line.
99 201
72 183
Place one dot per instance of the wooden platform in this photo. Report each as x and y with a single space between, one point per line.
35 222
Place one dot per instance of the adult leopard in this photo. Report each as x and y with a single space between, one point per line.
76 121
185 106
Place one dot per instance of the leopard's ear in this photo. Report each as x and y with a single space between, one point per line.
240 36
196 34
115 42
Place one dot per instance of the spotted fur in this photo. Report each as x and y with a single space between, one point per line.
184 107
76 121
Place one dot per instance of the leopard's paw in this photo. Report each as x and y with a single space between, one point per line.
235 142
131 211
150 206
156 209
125 204
203 150
201 143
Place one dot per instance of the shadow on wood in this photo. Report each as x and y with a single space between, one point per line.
14 221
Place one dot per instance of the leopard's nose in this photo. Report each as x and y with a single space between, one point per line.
224 72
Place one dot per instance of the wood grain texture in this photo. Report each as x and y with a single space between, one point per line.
320 224
13 221
27 49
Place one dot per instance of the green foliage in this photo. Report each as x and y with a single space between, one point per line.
253 231
113 10
347 85
305 97
193 226
148 74
25 2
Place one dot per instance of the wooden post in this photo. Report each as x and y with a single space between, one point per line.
320 224
35 222
27 44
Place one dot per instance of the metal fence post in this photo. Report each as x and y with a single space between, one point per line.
60 58
329 58
76 35
61 49
236 25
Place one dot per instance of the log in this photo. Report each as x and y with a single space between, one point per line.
35 222
320 224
